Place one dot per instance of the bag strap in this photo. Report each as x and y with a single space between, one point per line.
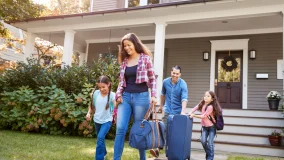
152 109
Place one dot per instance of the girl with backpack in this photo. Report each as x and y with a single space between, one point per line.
101 108
210 109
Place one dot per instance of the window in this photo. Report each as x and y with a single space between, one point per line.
136 3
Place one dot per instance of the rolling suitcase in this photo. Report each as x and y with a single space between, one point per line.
179 132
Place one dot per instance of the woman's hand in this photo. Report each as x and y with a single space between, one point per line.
88 117
153 100
192 115
118 101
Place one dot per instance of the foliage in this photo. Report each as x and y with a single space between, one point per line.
276 133
274 95
51 100
111 69
136 3
11 10
64 7
46 110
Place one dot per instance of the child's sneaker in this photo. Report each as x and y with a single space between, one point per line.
154 152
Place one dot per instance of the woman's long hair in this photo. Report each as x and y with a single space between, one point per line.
105 80
217 110
139 47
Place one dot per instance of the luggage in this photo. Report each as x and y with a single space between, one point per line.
147 134
179 132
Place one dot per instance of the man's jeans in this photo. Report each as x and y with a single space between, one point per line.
135 104
165 121
101 130
207 140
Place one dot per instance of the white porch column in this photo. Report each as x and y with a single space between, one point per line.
159 55
29 47
283 51
68 47
82 58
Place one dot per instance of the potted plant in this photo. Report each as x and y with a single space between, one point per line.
47 59
273 99
275 138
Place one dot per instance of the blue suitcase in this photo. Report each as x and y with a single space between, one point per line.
179 132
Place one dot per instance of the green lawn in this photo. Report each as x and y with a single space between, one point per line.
236 157
29 146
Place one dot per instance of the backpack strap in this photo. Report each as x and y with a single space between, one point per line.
210 118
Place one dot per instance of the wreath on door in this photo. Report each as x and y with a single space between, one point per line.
229 63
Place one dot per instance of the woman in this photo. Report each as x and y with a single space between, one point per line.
136 77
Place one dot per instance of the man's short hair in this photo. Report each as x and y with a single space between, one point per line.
177 68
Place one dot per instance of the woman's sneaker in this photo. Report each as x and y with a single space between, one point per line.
154 152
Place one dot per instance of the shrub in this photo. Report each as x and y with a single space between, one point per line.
52 100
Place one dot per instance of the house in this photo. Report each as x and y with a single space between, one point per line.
10 53
197 35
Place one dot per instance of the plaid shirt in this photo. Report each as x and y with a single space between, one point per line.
145 73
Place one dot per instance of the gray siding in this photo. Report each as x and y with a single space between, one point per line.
268 49
187 53
100 5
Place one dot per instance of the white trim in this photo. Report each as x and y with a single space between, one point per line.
87 52
91 5
68 48
126 4
159 52
110 20
280 68
197 35
235 44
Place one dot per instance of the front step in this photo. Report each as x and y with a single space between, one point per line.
237 137
243 148
245 131
241 120
235 128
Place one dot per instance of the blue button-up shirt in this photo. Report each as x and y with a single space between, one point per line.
174 94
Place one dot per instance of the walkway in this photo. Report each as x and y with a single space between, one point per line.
200 155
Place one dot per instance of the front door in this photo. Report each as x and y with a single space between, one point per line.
228 81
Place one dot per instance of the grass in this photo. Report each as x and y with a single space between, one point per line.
251 158
30 146
243 158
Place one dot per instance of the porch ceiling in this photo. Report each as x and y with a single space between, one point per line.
251 25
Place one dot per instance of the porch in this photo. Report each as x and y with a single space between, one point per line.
178 34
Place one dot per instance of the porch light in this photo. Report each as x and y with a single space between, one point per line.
252 54
205 56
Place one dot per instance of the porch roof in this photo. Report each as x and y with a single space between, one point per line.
195 18
115 10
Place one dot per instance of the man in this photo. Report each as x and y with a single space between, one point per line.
174 97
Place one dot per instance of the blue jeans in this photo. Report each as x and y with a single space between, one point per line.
101 130
135 104
207 140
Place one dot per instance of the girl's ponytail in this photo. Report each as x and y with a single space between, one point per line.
109 90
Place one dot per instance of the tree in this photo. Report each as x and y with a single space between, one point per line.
63 7
12 10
